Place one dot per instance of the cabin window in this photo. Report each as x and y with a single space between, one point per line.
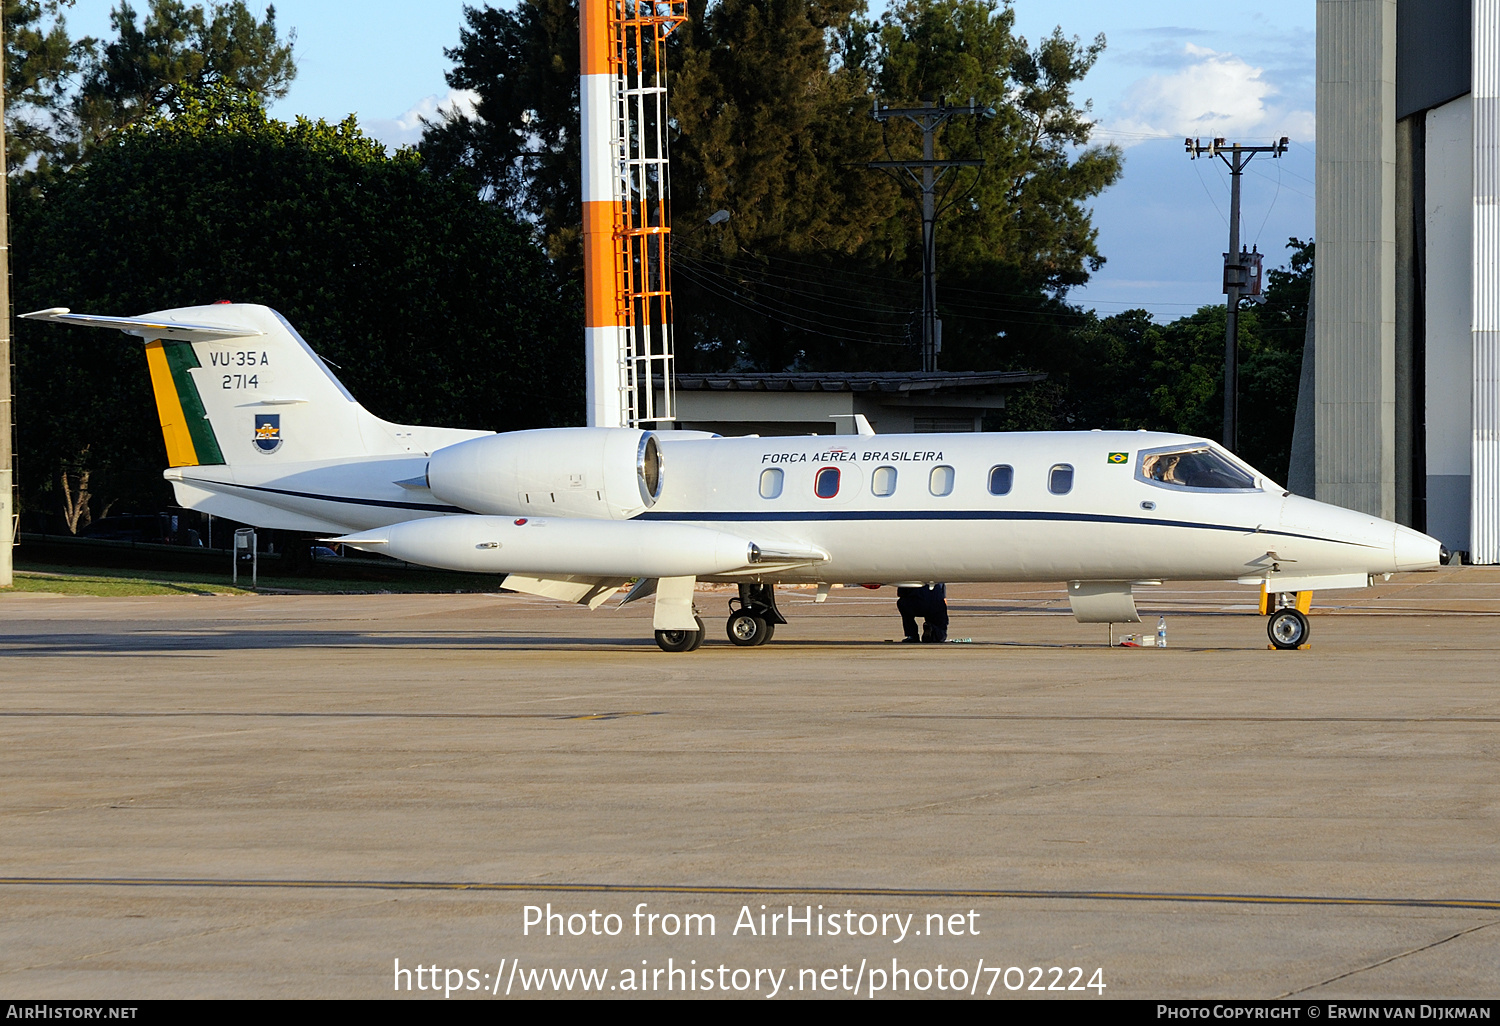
826 484
940 481
1060 479
1193 467
1001 478
883 482
770 483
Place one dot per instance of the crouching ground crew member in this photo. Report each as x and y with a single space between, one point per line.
929 602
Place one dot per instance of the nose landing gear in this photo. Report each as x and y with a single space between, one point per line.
1288 628
753 616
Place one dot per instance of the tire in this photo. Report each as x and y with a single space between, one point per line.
678 641
770 633
747 630
1288 629
698 635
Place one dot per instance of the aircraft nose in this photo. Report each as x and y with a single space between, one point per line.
1415 550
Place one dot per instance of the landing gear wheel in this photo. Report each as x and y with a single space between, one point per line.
698 635
1288 628
753 616
746 630
679 641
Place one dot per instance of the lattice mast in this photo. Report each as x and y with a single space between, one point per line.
626 189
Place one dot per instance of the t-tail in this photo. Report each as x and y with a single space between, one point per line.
259 429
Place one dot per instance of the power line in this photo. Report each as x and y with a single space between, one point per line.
929 118
1237 265
885 279
861 297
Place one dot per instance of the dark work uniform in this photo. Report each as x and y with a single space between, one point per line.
929 602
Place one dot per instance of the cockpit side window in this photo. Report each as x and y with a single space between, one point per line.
1193 467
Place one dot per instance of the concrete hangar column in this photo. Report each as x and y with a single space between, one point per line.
1355 314
1407 305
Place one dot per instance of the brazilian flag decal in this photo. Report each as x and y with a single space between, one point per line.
1119 457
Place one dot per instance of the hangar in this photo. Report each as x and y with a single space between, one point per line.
1399 414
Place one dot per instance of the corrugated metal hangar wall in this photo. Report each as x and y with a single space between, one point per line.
1406 404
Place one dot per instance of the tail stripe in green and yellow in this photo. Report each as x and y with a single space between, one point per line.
184 422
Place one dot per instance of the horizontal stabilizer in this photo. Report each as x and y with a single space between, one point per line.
145 327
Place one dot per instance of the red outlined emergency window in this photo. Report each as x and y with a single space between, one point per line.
826 483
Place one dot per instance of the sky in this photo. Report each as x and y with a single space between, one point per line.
1171 69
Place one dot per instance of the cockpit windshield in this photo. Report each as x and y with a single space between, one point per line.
1196 467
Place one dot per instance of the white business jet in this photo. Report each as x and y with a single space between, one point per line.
259 430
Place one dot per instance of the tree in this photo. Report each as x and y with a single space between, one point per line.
147 68
521 148
1024 207
64 95
437 307
40 62
818 264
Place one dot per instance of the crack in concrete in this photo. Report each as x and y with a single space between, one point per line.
1387 961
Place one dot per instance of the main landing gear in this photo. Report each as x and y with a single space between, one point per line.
681 641
752 621
753 616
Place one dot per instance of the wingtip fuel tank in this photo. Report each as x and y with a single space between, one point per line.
541 545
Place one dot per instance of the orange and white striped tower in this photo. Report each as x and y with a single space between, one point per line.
626 229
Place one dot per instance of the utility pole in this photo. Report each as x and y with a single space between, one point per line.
929 118
7 405
1236 270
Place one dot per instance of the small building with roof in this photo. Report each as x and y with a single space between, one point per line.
804 402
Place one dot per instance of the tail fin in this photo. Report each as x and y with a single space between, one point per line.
235 383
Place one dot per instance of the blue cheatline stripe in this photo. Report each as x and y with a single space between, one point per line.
972 514
805 516
428 507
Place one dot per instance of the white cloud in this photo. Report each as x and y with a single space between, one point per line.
406 129
1210 94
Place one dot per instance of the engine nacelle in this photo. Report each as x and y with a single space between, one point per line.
590 473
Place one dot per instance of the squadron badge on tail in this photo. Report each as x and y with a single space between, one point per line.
268 432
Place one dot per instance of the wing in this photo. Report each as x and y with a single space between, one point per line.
584 591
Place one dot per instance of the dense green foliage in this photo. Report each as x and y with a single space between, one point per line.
818 264
64 95
436 306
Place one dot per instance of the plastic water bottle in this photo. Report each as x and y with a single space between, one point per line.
1161 633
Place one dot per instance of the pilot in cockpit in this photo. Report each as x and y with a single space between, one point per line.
1162 467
